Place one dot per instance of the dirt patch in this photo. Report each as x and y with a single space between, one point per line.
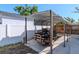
18 48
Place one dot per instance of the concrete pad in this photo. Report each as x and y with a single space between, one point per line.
43 49
72 46
35 45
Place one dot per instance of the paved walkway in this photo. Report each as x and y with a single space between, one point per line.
72 46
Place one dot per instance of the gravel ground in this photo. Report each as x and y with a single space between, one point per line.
18 48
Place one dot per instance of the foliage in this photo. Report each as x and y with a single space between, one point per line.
34 9
26 10
76 10
70 20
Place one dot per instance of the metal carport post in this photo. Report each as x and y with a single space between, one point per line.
64 34
35 26
51 32
25 30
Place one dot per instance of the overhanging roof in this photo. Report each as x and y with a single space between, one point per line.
43 18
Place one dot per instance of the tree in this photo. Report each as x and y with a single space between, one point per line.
34 9
70 20
76 10
77 22
19 9
26 10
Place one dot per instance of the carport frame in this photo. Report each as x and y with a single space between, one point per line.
51 31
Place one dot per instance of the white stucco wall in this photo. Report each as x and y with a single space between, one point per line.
30 28
2 32
15 30
15 27
13 21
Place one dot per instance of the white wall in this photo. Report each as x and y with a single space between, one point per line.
2 32
15 27
30 28
15 31
13 21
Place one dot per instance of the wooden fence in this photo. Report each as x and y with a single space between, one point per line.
73 29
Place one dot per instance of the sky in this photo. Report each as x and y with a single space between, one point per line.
64 10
